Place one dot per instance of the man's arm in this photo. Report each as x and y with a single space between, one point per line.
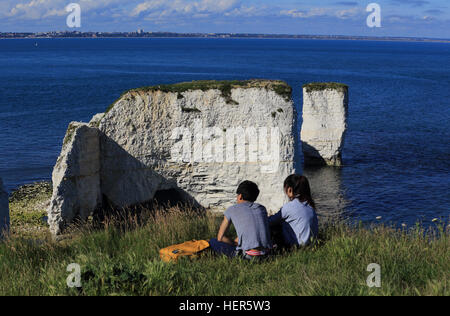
222 231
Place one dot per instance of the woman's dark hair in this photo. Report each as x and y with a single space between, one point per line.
300 187
249 191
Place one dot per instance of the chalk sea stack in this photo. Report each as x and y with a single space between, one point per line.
197 140
76 177
4 211
325 108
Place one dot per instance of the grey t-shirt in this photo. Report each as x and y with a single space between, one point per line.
252 225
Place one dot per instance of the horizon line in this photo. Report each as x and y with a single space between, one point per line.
231 34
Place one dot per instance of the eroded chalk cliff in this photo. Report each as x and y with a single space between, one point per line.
325 107
76 177
200 139
196 140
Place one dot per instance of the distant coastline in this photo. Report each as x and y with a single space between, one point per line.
76 34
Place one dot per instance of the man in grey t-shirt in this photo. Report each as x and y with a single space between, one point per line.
251 223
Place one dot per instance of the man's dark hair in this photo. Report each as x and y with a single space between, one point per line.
249 191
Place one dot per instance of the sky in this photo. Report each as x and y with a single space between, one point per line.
412 18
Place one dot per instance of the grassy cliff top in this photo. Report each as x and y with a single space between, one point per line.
120 256
225 86
278 86
320 86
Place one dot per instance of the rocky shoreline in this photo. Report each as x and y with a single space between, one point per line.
28 210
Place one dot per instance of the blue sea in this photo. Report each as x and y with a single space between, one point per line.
397 150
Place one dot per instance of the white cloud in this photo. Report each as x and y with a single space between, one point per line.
40 9
318 12
244 11
201 8
350 13
314 12
147 6
195 14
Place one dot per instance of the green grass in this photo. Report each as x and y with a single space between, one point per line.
69 133
126 261
320 86
28 207
225 86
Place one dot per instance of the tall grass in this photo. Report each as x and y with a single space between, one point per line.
122 258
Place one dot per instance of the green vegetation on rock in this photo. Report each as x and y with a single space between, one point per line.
69 134
320 86
226 86
117 100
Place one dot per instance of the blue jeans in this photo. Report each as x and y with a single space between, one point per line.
230 251
222 248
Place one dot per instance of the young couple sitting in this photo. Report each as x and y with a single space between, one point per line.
294 225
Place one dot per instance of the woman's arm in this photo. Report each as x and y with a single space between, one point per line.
275 219
222 231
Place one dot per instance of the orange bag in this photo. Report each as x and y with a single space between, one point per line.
188 249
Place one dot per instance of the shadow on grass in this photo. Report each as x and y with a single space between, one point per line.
128 219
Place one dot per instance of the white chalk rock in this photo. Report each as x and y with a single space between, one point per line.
95 121
4 211
325 107
76 177
189 137
200 139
